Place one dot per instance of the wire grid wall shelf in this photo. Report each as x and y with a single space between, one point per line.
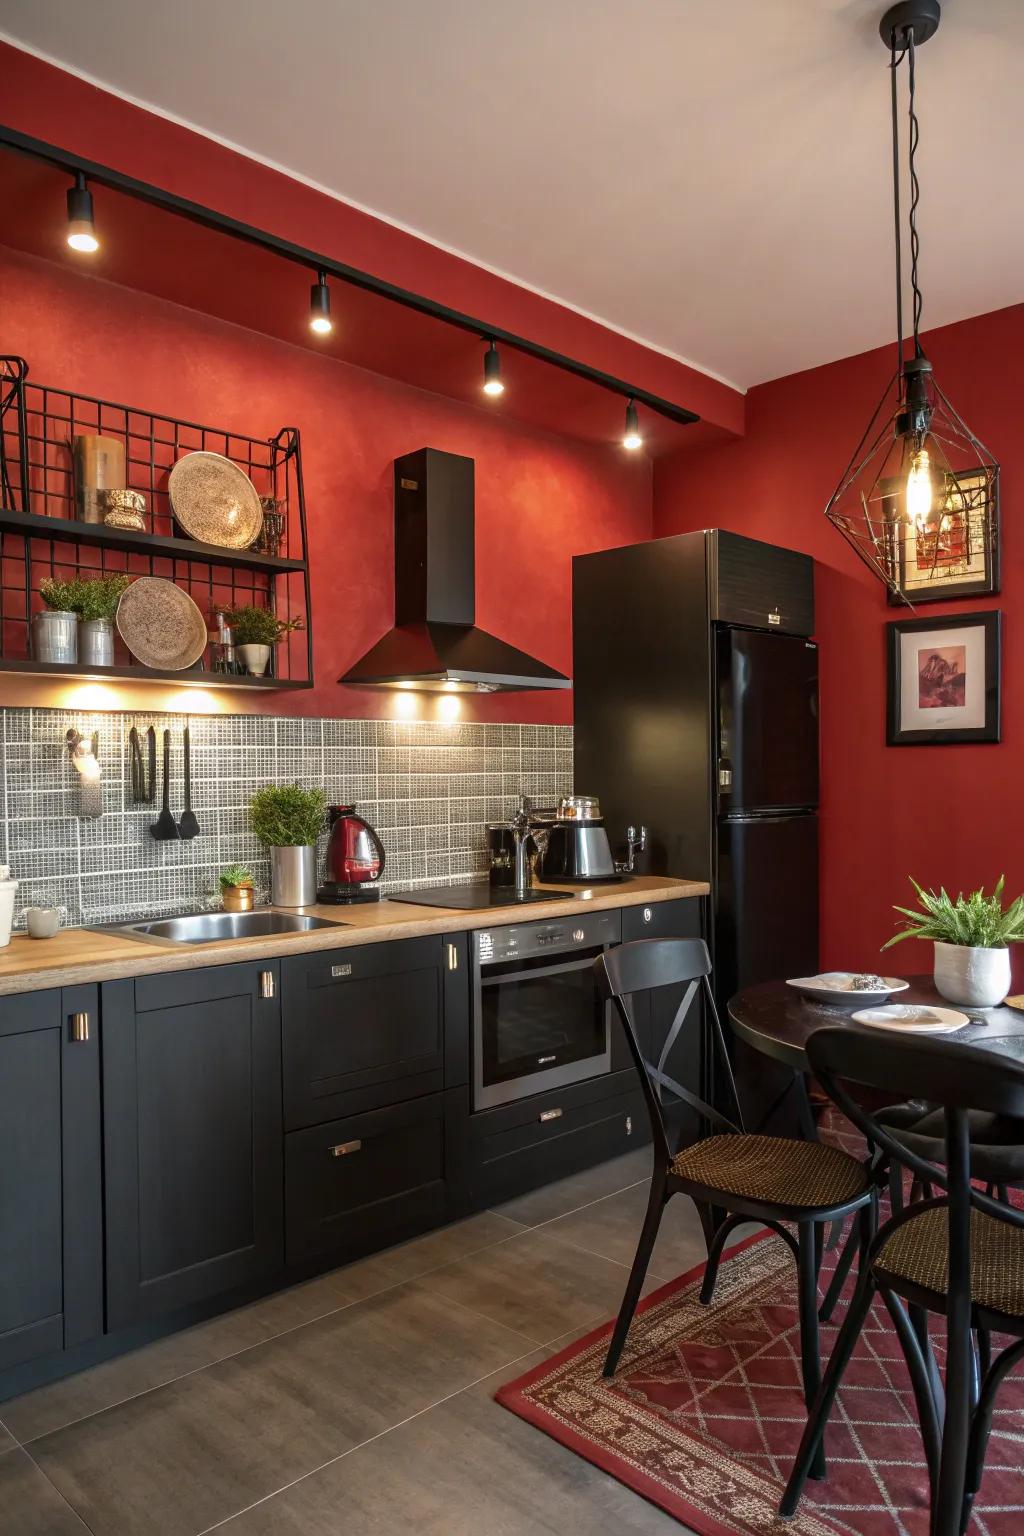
42 536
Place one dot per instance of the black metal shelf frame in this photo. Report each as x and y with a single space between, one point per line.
40 534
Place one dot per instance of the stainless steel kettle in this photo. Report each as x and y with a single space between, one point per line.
573 844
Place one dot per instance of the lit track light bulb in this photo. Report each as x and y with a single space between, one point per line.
81 228
919 489
492 371
320 321
632 439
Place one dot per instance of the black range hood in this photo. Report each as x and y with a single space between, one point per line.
435 645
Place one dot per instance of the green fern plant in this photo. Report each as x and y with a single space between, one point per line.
977 921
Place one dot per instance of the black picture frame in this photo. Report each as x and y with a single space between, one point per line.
987 526
897 734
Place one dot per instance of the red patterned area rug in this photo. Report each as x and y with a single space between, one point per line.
706 1410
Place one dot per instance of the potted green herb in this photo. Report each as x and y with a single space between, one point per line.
970 934
236 888
254 630
97 605
288 820
55 630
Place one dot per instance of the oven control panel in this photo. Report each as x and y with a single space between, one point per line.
496 946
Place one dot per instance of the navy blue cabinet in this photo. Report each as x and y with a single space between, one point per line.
193 1137
51 1220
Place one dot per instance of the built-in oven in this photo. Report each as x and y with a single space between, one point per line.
538 1022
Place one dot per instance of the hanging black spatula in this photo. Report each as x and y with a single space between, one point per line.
165 827
188 826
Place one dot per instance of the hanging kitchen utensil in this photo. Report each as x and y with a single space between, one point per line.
151 781
188 826
165 827
134 765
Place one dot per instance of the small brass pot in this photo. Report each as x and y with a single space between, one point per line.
237 898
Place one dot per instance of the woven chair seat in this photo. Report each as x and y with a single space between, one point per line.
918 1251
774 1170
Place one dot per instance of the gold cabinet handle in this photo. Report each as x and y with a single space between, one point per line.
80 1028
453 957
266 983
550 1114
344 1148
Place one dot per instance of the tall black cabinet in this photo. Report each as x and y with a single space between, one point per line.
695 683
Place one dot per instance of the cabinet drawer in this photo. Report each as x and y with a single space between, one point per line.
663 920
760 584
362 1028
358 1182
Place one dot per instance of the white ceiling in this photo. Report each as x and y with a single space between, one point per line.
710 176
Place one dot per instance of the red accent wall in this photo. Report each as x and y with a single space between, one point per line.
946 815
540 498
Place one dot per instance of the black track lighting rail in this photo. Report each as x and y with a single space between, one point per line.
104 176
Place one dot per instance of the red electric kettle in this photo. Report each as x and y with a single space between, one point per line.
355 858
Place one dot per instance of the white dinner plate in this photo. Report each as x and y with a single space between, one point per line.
834 987
913 1018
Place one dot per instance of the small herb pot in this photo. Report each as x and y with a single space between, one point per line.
974 978
237 898
255 657
293 876
55 636
96 642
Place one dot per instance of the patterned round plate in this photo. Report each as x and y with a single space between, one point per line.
161 625
913 1018
215 501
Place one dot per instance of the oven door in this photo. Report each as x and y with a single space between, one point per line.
538 1024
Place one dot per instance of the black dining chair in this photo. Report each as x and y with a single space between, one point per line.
732 1177
959 1254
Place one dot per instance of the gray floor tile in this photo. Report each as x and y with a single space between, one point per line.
465 1466
408 1260
533 1284
63 1402
29 1503
7 1440
579 1189
611 1227
182 1458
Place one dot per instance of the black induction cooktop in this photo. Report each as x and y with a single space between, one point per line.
476 897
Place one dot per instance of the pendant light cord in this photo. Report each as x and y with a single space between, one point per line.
896 207
915 196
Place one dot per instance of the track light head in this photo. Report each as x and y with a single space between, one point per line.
492 371
81 226
632 438
320 321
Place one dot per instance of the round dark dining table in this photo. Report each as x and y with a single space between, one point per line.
774 1019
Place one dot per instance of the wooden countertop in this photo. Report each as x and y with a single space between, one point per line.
79 955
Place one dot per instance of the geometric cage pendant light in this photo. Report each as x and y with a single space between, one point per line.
919 498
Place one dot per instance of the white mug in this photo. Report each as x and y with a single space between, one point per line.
43 922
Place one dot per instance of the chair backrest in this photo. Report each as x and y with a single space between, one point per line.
951 1074
629 970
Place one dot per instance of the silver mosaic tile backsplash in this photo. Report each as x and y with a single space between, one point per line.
429 790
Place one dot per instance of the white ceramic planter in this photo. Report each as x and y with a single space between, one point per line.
974 978
255 657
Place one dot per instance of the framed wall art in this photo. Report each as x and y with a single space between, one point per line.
944 680
955 552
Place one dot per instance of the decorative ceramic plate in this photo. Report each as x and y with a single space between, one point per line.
854 988
161 625
215 501
913 1018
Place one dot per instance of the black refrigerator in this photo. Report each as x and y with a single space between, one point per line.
696 713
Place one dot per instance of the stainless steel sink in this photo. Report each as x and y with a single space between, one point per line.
212 927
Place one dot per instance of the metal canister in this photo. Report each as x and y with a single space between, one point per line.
99 466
